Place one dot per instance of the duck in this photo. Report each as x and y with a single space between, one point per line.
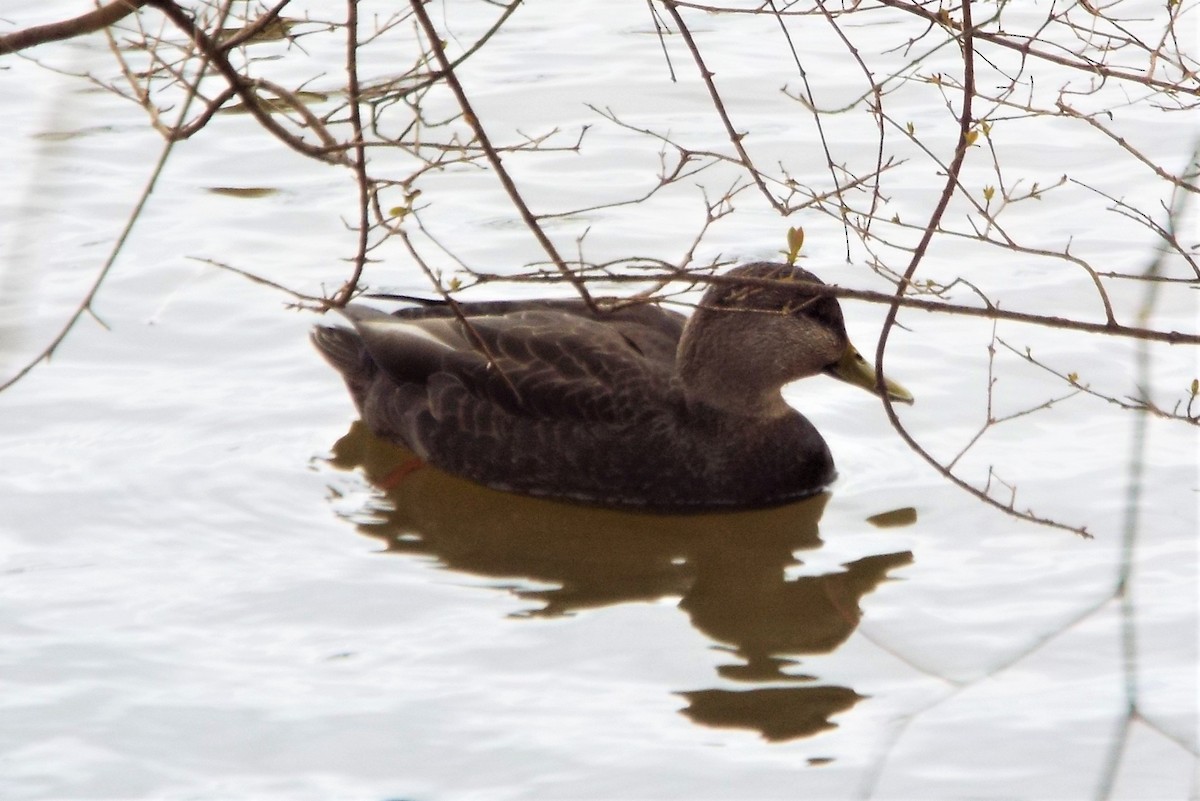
626 406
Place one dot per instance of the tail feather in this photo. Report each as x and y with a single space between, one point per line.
341 347
344 349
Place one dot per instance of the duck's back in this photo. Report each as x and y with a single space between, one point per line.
554 399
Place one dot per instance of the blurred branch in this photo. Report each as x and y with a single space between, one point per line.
99 19
987 312
243 86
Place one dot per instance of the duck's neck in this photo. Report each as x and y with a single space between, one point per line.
721 380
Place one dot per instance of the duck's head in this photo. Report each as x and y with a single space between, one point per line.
746 340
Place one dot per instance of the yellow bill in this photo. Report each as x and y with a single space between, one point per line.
854 369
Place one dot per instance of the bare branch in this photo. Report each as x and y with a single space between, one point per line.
97 20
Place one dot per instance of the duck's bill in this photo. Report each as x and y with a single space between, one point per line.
854 369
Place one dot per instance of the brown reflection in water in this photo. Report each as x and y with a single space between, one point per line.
727 568
777 713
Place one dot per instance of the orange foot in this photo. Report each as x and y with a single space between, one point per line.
393 479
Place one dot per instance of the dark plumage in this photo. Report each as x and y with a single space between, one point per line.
637 407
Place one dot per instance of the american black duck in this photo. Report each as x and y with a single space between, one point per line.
638 407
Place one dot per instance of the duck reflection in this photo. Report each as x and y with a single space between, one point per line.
728 569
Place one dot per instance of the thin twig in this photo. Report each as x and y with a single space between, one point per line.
967 43
358 159
510 187
85 305
735 138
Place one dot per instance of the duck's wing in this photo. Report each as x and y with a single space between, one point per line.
533 362
572 367
650 328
